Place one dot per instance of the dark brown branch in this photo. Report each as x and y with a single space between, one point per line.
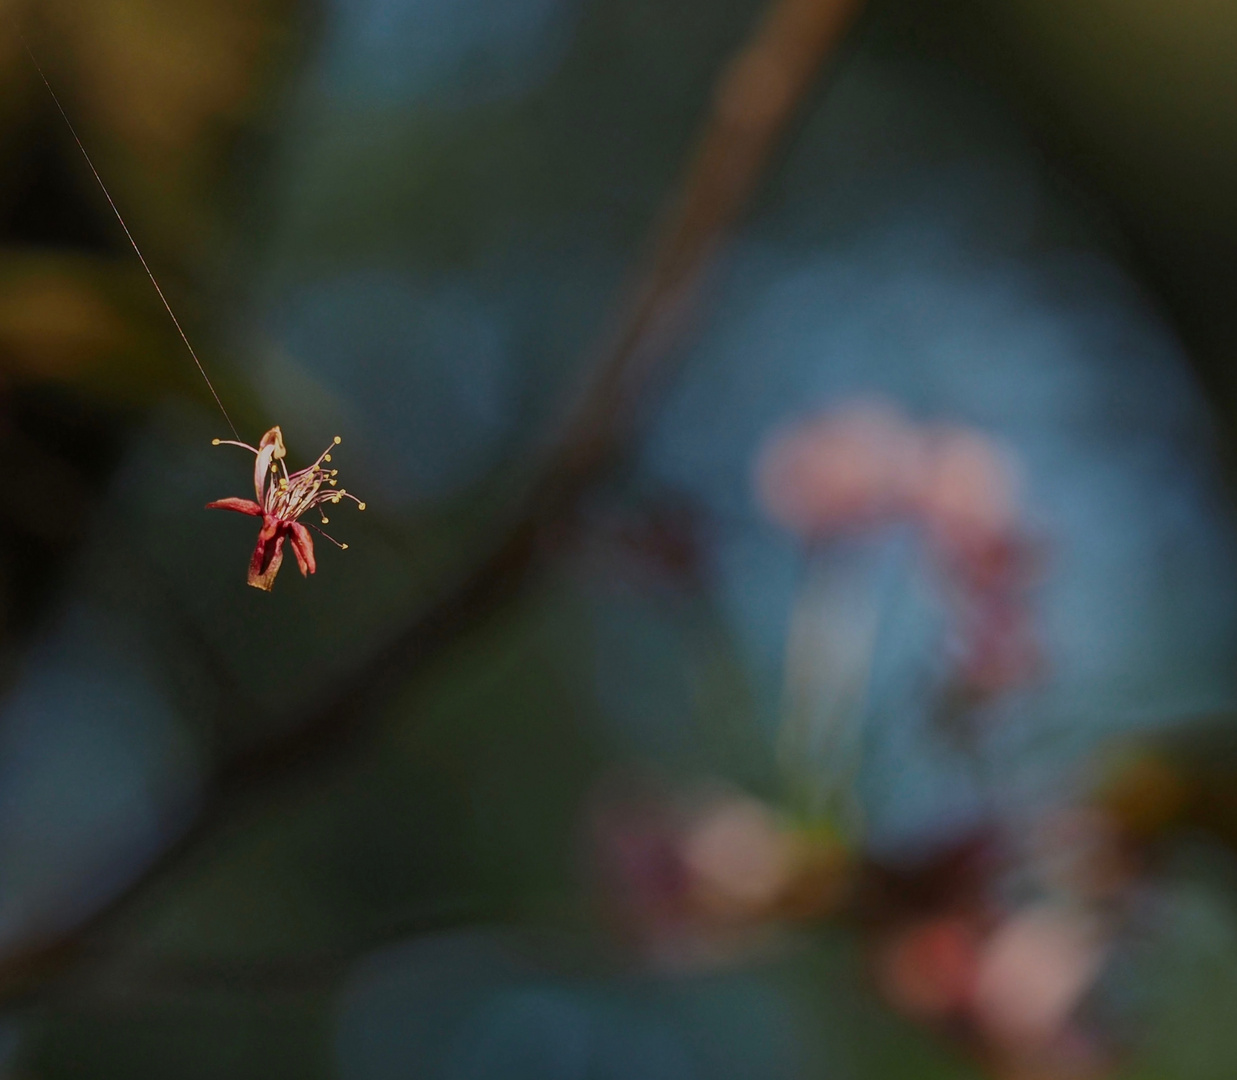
754 103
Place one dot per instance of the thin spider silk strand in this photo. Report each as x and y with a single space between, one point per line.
119 217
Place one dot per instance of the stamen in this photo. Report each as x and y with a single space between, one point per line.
338 440
326 457
233 442
321 532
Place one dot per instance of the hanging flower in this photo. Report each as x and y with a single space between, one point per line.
282 498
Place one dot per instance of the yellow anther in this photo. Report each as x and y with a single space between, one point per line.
344 547
326 457
338 440
360 506
214 442
325 520
337 497
332 482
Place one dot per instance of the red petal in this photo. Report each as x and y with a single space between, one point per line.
303 549
241 506
267 557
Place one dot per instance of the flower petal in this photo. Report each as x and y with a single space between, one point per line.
261 467
270 449
267 558
274 437
303 549
241 506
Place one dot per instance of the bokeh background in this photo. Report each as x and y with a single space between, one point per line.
676 790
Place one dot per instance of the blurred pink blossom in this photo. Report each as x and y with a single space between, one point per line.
967 495
1033 974
928 969
738 859
844 471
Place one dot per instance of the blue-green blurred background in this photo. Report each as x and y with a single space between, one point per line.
409 222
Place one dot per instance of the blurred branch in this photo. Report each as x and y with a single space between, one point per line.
754 103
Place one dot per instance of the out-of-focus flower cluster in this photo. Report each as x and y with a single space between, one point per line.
700 879
953 945
1009 971
865 465
1000 939
997 942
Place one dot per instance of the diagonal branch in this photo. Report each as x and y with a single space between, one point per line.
755 101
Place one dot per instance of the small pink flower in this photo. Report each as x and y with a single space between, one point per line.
968 499
845 471
1033 972
282 498
928 969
